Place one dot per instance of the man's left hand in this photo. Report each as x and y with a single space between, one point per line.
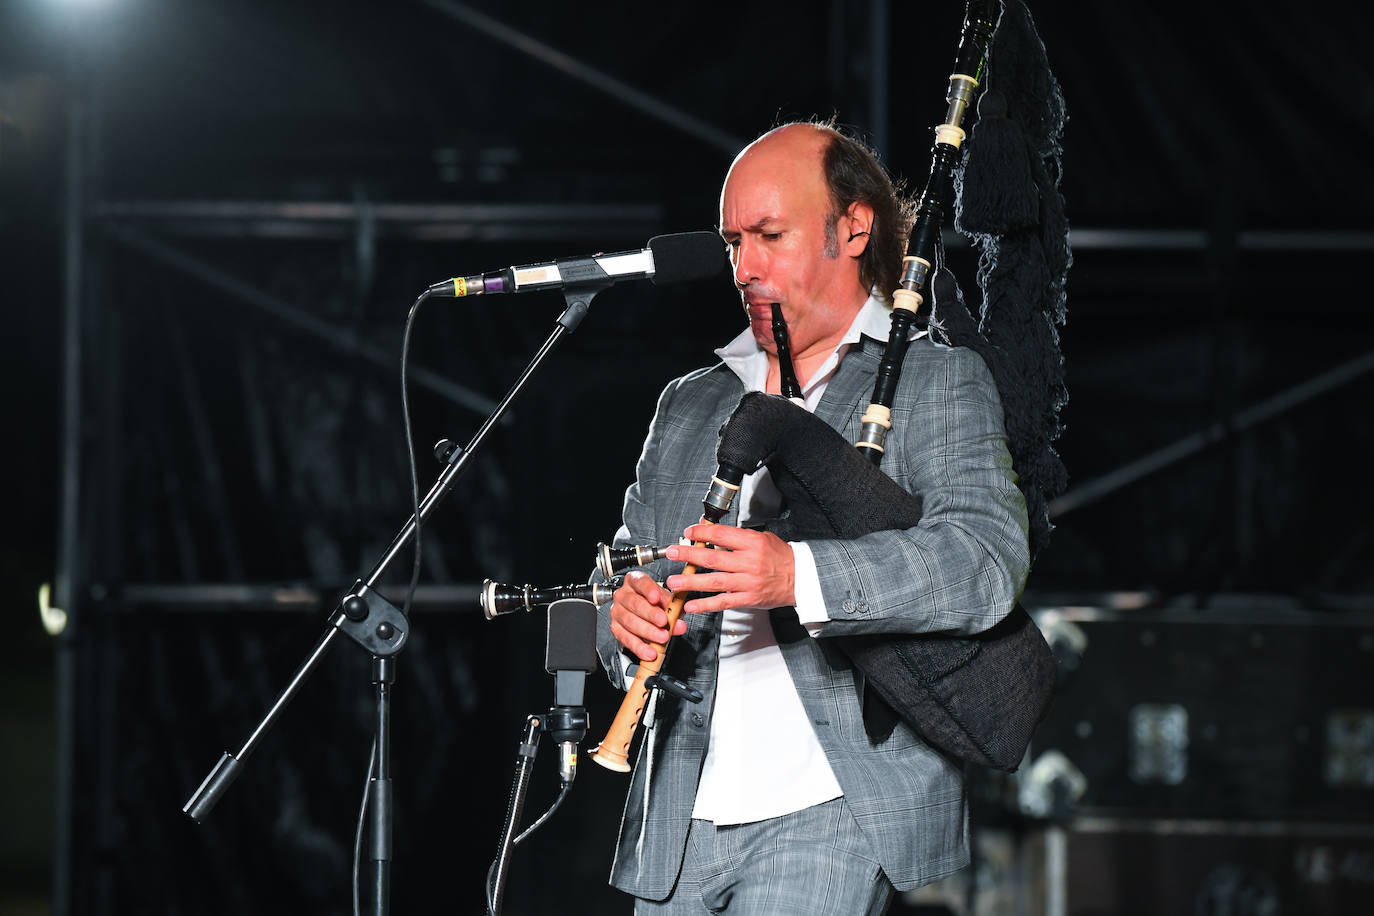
749 568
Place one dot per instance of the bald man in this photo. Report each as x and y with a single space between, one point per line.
769 796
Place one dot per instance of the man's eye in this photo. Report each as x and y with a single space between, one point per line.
772 236
732 243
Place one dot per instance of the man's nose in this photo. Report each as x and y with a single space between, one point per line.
747 266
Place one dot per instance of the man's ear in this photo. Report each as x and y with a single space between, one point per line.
856 228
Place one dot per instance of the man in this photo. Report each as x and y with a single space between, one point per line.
769 796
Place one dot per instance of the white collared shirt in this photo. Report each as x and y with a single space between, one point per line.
763 759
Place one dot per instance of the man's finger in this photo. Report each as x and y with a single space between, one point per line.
643 584
634 604
727 536
723 601
646 622
707 558
641 649
638 626
714 581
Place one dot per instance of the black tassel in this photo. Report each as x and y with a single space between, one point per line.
1010 206
951 322
998 193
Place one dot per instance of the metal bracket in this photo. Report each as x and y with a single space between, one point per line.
373 622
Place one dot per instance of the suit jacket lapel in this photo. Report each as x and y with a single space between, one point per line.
849 389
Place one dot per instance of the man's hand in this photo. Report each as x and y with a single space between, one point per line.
749 569
639 616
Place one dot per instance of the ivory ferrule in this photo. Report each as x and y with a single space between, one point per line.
907 299
949 135
878 415
877 420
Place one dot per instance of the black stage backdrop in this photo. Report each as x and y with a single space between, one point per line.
259 192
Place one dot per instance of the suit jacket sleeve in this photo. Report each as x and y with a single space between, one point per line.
961 569
638 526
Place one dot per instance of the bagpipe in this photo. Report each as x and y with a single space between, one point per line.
979 697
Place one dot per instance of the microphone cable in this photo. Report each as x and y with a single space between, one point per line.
358 834
491 869
410 447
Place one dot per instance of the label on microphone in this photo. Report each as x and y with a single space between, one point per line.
584 270
567 761
629 263
534 276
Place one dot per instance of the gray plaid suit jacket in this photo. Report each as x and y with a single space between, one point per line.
959 571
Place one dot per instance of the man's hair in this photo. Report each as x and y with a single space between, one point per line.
853 173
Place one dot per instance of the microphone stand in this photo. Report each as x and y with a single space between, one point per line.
566 725
379 627
524 765
570 656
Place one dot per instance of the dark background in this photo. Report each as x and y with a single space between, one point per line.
243 272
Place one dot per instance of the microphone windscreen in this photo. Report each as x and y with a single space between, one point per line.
686 256
571 644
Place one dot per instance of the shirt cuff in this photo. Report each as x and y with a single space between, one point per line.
810 604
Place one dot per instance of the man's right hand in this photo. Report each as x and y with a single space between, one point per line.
639 616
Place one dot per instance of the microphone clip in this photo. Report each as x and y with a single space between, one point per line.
566 724
674 687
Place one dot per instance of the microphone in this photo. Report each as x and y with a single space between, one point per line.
497 598
668 259
569 655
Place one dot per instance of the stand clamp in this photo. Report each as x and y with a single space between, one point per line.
373 622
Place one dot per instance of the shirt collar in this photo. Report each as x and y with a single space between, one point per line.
749 361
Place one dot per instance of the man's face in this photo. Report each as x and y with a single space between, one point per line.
774 216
